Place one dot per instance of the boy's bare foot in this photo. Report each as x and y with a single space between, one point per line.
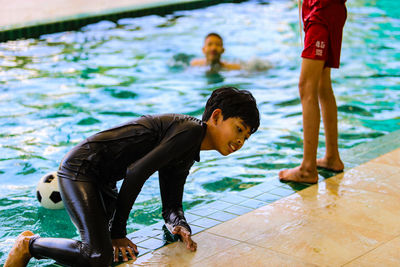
19 255
299 175
335 165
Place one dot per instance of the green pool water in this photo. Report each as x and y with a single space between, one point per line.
61 88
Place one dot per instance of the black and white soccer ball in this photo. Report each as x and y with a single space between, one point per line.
48 193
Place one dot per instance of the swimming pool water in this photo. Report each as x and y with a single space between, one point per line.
61 88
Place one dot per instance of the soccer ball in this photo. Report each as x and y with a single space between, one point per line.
47 192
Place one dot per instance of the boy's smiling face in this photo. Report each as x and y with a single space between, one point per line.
227 136
213 49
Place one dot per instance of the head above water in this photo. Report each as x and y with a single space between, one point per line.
213 34
213 48
234 103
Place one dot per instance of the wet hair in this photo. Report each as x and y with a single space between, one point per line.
234 103
214 34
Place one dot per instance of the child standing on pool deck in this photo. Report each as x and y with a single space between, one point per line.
133 151
323 25
213 48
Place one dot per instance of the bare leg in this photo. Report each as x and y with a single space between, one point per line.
19 255
311 73
331 160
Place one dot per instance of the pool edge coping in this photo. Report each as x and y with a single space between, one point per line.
200 217
36 28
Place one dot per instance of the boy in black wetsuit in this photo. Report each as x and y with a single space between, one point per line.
133 151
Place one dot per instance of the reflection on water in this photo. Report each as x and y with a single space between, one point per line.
214 76
63 87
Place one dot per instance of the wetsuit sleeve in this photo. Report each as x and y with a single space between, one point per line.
174 147
172 181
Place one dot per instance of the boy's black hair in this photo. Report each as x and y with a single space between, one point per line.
234 103
214 34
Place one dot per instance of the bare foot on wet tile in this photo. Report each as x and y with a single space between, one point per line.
299 175
335 165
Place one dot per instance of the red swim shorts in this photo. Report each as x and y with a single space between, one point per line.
323 26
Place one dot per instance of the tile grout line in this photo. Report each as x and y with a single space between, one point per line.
369 251
258 246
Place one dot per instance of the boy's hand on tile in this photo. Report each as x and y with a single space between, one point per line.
123 246
186 237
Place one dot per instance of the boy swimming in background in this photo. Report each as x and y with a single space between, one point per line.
132 152
213 48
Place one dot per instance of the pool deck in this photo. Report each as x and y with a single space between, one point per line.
21 13
350 219
22 19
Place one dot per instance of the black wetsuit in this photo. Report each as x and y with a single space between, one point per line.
133 151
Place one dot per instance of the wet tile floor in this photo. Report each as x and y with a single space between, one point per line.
350 219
